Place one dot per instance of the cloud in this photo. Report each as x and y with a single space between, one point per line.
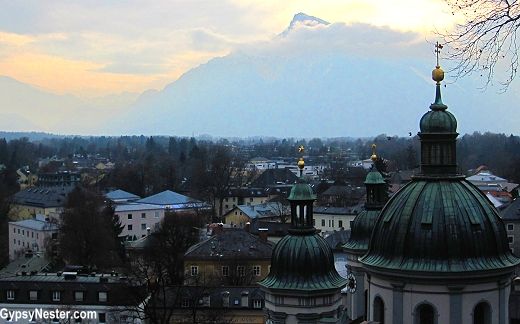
354 39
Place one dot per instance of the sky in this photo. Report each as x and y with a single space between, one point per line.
95 48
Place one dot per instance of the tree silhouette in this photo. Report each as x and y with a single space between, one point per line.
484 40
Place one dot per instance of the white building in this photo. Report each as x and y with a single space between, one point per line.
30 234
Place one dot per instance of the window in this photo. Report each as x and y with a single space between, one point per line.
185 303
241 271
78 296
32 234
236 302
511 239
143 227
156 215
18 231
56 295
194 270
143 215
102 296
510 227
256 270
322 222
129 216
482 313
23 232
130 227
227 199
340 223
102 317
426 314
225 271
251 199
33 295
257 303
156 225
379 310
14 230
10 295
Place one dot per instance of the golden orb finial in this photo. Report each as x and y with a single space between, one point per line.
301 163
374 156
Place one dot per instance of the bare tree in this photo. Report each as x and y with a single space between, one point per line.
485 39
159 291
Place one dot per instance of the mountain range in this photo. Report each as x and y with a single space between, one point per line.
293 88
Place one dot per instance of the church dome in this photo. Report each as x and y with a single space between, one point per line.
438 121
439 225
303 262
361 231
363 224
374 177
301 191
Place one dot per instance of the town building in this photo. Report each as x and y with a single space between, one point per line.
92 296
142 216
59 179
31 201
230 257
30 235
265 212
511 217
329 219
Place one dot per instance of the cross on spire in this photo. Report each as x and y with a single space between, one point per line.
438 48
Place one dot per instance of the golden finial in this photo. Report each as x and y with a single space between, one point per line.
374 156
301 163
438 73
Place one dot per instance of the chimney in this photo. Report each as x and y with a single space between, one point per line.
262 234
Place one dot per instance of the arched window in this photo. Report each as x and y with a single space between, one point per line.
482 313
379 310
425 314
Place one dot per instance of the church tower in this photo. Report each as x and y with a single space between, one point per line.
357 245
439 252
303 285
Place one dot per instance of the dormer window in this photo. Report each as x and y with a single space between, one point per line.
102 296
33 295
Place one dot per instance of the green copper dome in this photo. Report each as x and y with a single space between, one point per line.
438 121
439 225
362 228
301 191
374 177
364 222
304 263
